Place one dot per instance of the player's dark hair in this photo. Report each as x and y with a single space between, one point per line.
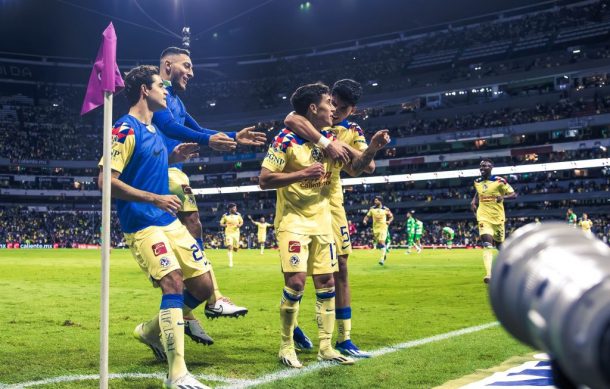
488 160
306 95
378 198
231 205
173 51
138 76
348 90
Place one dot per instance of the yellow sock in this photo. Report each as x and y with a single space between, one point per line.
173 340
151 328
325 315
344 329
230 252
487 260
289 312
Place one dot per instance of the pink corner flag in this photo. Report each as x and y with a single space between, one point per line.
105 75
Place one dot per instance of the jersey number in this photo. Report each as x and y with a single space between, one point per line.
197 255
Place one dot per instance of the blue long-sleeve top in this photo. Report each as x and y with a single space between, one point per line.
177 126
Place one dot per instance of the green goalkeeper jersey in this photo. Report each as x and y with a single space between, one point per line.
410 225
419 227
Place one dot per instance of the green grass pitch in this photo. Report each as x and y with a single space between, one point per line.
49 320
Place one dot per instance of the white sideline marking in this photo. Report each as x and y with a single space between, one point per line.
290 373
235 383
90 377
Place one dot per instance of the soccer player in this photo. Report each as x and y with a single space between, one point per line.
232 222
585 223
448 235
177 125
382 218
572 218
410 229
261 235
488 203
159 243
345 95
419 231
302 175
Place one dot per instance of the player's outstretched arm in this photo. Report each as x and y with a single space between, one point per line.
183 152
271 180
123 191
167 124
363 161
249 137
303 128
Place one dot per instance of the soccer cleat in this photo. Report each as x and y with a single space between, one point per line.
224 307
193 329
155 344
301 341
348 348
333 355
187 381
381 262
288 357
418 250
486 279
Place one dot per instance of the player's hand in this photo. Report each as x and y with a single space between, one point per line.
249 137
337 152
499 199
222 142
183 152
314 171
168 203
380 139
473 207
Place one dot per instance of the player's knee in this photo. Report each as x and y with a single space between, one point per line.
324 281
172 283
295 281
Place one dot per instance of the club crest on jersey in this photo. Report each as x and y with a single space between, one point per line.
164 262
317 154
294 260
151 129
294 246
159 249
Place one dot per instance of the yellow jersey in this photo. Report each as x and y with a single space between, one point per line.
380 217
586 225
302 207
352 135
232 221
262 228
489 210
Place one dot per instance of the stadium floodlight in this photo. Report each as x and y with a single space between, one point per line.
550 289
442 175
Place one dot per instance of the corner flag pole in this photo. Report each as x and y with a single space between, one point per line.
105 79
105 278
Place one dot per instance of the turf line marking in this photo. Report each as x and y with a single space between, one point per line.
290 373
235 383
90 377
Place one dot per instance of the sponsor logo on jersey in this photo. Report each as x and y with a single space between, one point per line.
159 249
294 246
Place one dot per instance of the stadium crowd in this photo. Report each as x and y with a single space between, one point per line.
72 229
